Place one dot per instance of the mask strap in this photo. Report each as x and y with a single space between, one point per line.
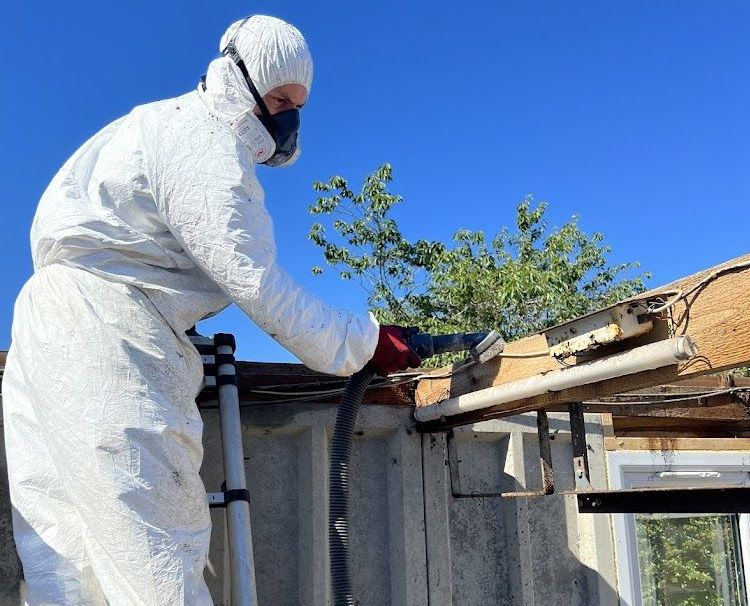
231 52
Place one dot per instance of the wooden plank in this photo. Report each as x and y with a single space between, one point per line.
267 373
716 316
710 382
666 444
722 406
681 427
712 408
288 381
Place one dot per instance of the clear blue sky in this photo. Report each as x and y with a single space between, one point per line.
633 115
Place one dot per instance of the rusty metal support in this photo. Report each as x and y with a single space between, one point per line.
545 452
580 449
545 466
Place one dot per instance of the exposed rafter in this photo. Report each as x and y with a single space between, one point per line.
711 306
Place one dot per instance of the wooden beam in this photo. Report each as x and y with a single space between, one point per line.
288 381
667 444
716 316
721 407
681 427
708 382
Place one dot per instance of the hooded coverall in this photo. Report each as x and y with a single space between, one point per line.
154 223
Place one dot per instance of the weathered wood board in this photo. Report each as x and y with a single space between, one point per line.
716 316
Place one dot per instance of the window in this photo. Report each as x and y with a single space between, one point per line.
677 559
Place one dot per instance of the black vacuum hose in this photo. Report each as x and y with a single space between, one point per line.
424 345
338 486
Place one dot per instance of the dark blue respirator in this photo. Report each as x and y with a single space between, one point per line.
283 127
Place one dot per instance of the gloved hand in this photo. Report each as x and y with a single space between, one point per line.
393 352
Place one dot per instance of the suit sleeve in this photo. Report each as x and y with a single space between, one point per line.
205 189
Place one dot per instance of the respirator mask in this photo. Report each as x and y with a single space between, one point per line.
282 128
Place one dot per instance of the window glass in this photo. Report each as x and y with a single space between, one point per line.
691 560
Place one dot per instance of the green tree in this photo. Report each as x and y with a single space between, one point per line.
689 561
518 282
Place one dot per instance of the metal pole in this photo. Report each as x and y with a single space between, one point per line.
237 511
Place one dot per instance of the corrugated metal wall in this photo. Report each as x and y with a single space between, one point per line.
413 542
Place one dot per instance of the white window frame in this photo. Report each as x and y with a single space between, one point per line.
635 469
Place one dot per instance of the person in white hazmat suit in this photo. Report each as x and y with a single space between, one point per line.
155 222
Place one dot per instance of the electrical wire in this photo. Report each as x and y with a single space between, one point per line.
443 375
301 396
683 398
524 354
281 386
680 295
321 392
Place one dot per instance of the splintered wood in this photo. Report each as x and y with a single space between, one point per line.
714 312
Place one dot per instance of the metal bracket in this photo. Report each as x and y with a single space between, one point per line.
580 448
216 499
580 459
545 465
717 499
222 499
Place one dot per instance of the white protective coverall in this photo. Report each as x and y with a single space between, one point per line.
154 223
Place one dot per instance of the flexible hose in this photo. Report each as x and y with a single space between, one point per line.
338 490
341 449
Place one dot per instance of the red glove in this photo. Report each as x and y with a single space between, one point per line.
393 352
